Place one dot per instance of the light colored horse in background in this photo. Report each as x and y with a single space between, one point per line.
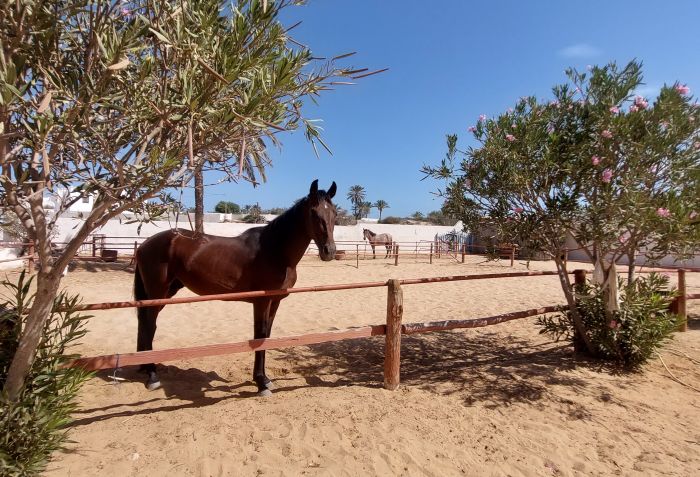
378 239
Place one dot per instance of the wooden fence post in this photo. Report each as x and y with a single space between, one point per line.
681 303
431 253
392 348
396 257
512 255
357 256
464 251
94 246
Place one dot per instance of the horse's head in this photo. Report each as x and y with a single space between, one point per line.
321 220
365 234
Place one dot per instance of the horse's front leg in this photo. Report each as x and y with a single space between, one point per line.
264 314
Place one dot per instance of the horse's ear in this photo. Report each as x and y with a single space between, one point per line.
331 191
313 192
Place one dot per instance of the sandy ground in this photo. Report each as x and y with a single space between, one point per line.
502 400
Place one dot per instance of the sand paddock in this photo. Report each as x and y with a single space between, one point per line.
501 400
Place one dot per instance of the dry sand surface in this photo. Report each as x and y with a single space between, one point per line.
502 400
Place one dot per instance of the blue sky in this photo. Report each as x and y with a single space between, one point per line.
449 62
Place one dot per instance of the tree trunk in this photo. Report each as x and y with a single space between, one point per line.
630 267
571 301
47 289
199 200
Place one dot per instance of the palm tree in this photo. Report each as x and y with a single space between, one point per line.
365 208
356 196
381 205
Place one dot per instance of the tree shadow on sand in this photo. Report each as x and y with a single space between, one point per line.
100 266
487 368
477 367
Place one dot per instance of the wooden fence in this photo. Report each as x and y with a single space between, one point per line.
392 329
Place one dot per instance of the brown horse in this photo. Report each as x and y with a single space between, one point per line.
378 239
261 258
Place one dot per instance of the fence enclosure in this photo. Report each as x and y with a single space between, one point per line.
392 329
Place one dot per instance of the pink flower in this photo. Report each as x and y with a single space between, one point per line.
510 110
614 109
606 134
653 169
554 103
633 109
661 212
607 176
640 102
518 210
482 117
471 129
692 215
622 239
682 89
125 11
513 125
467 183
510 137
550 129
595 160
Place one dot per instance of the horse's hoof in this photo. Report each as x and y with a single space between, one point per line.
270 385
265 393
153 385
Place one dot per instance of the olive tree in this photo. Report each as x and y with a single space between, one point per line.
124 99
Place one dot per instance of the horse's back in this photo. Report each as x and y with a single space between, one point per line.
384 238
206 264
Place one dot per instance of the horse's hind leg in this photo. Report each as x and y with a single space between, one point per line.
264 314
144 342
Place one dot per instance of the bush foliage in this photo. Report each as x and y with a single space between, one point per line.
35 425
630 335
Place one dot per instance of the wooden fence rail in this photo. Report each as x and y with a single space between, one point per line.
393 329
242 296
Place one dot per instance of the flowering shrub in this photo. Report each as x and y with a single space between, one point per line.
630 335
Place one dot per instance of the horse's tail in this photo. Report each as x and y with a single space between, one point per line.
139 291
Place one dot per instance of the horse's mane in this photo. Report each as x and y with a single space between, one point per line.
288 218
373 234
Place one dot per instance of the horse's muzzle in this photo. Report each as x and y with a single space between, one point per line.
327 252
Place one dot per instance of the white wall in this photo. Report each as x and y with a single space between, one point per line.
400 233
667 261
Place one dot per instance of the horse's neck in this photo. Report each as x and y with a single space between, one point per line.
286 245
